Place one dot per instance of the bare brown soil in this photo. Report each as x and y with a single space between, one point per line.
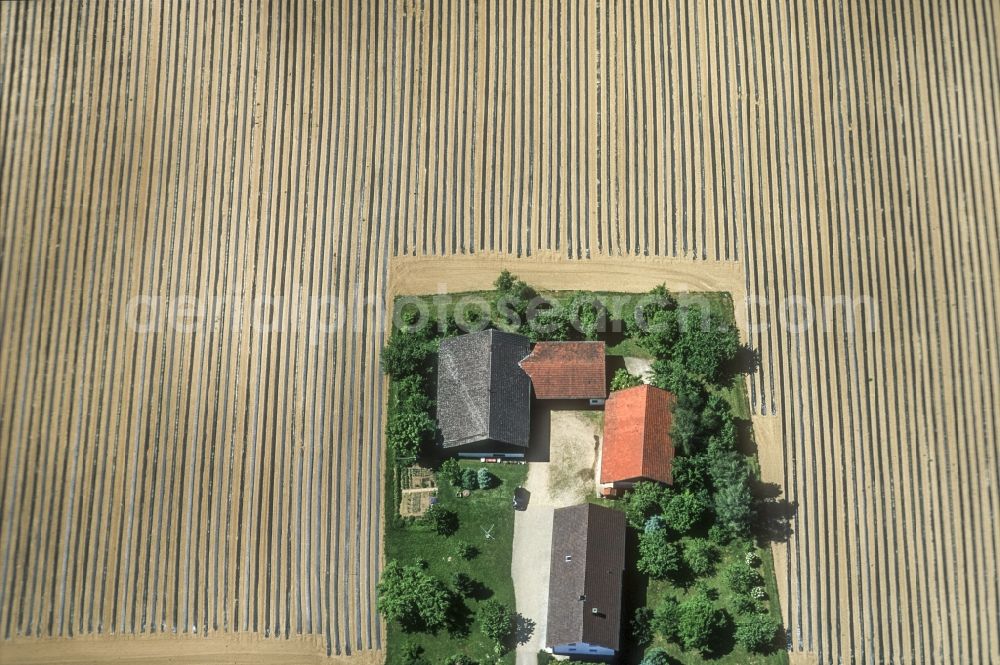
230 479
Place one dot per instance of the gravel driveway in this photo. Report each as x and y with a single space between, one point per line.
573 456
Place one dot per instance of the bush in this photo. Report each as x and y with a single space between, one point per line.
741 578
623 380
700 556
656 656
643 501
745 605
470 479
466 551
443 521
485 480
450 472
658 557
698 623
413 654
410 596
683 511
757 632
497 621
459 659
642 626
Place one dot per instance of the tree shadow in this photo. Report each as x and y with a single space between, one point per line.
524 628
774 513
459 618
723 639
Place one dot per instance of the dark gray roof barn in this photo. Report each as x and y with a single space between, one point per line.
483 394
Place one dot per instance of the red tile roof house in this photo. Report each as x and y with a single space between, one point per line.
567 370
637 442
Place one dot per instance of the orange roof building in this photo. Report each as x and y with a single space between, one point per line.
567 370
637 442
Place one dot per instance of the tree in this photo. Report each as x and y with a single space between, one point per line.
741 578
691 472
464 585
443 521
658 557
411 394
698 622
661 335
643 501
407 432
683 511
642 626
665 619
643 319
700 556
484 479
588 315
470 479
707 342
716 413
406 353
734 508
413 598
497 621
511 299
657 656
552 324
685 429
623 380
756 632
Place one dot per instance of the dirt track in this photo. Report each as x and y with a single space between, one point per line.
229 479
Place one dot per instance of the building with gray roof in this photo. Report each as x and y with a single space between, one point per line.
585 582
484 397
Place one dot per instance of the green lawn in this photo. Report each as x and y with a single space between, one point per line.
409 542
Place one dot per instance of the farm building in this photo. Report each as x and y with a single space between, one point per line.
637 442
567 370
484 397
585 584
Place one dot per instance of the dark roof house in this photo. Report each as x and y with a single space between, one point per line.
567 370
585 583
637 443
484 397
